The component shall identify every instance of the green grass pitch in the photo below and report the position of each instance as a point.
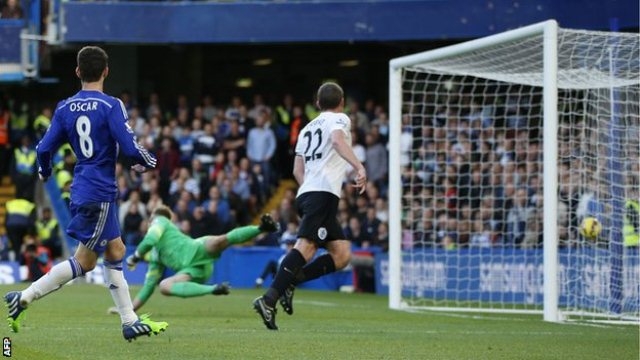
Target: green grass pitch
(72, 323)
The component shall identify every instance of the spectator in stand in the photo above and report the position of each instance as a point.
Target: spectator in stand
(12, 10)
(383, 237)
(48, 233)
(222, 127)
(186, 146)
(182, 210)
(133, 201)
(258, 106)
(282, 130)
(423, 228)
(24, 172)
(205, 223)
(232, 161)
(201, 176)
(362, 205)
(149, 186)
(259, 184)
(218, 167)
(287, 210)
(358, 150)
(370, 108)
(464, 224)
(221, 205)
(168, 165)
(154, 200)
(261, 146)
(153, 108)
(354, 233)
(472, 191)
(185, 181)
(517, 218)
(233, 110)
(5, 143)
(36, 258)
(132, 225)
(212, 212)
(359, 119)
(376, 164)
(382, 209)
(20, 222)
(245, 121)
(41, 123)
(197, 128)
(480, 234)
(208, 108)
(127, 101)
(198, 113)
(239, 182)
(372, 192)
(235, 140)
(370, 224)
(298, 121)
(206, 146)
(382, 123)
(136, 121)
(19, 123)
(238, 207)
(244, 186)
(182, 106)
(451, 238)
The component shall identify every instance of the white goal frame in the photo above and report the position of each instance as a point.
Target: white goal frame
(549, 30)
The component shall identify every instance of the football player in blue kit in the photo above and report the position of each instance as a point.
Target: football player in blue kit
(95, 125)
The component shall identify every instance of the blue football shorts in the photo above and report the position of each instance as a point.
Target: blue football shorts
(94, 224)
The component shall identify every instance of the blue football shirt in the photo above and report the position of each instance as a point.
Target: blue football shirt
(95, 125)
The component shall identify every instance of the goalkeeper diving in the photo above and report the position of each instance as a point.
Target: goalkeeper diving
(164, 245)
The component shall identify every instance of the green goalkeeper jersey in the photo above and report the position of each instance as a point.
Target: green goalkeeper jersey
(172, 248)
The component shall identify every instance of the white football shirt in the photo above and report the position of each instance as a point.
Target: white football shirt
(324, 168)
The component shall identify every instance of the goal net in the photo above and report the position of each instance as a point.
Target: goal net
(499, 148)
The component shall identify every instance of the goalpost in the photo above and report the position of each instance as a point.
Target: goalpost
(498, 148)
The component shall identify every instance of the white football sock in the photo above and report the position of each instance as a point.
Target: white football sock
(59, 275)
(119, 291)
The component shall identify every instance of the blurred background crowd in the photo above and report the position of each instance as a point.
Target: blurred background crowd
(471, 172)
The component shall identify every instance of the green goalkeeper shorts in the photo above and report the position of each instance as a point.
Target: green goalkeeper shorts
(201, 267)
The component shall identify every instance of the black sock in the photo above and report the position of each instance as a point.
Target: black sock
(290, 266)
(322, 265)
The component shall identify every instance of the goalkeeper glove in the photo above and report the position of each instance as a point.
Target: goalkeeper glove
(132, 261)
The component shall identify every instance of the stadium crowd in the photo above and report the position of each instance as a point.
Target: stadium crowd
(471, 175)
(218, 165)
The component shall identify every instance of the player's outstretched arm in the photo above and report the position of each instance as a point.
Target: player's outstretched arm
(151, 238)
(51, 141)
(298, 169)
(123, 134)
(151, 280)
(343, 148)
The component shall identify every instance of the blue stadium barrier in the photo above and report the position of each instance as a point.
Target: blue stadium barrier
(240, 266)
(513, 276)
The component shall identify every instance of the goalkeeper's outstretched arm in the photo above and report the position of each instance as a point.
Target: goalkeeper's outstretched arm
(150, 239)
(151, 280)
